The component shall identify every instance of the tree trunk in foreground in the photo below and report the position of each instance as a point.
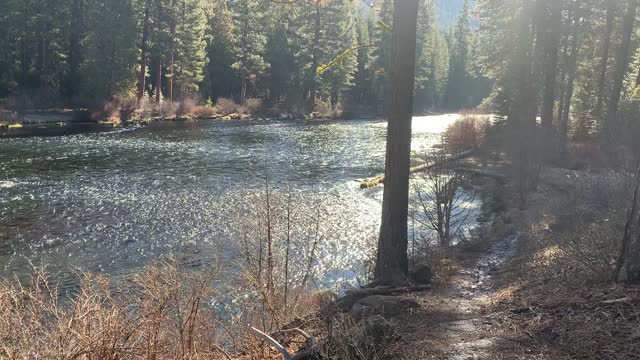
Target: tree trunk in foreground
(628, 265)
(552, 44)
(392, 263)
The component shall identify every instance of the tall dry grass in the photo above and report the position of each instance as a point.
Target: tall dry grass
(162, 313)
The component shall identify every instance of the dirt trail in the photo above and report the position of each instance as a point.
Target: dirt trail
(453, 324)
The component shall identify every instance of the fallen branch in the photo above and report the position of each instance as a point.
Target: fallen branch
(223, 351)
(423, 167)
(617, 301)
(282, 350)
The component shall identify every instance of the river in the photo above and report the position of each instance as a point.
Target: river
(111, 202)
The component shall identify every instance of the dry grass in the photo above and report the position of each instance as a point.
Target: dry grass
(557, 297)
(226, 106)
(164, 313)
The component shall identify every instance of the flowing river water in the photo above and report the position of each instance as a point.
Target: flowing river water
(112, 202)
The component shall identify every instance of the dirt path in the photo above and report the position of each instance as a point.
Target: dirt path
(453, 323)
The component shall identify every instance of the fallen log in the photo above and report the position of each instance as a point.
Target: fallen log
(380, 179)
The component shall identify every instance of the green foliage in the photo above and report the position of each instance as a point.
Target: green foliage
(109, 50)
(250, 40)
(84, 52)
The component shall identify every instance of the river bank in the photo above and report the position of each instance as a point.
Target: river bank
(539, 288)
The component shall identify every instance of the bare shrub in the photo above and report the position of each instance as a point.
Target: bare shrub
(590, 252)
(581, 243)
(226, 106)
(164, 313)
(128, 108)
(443, 202)
(466, 133)
(279, 257)
(186, 108)
(203, 112)
(253, 105)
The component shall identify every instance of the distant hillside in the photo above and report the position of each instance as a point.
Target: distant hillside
(447, 10)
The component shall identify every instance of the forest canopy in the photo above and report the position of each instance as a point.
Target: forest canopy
(82, 53)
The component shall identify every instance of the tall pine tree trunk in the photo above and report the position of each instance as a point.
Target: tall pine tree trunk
(604, 59)
(392, 263)
(628, 265)
(622, 62)
(551, 66)
(143, 53)
(171, 51)
(159, 80)
(311, 101)
(572, 65)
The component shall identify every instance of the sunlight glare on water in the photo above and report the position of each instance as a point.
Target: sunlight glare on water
(111, 202)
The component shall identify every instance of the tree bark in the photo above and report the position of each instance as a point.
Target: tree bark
(604, 59)
(159, 80)
(572, 65)
(622, 62)
(392, 262)
(551, 67)
(143, 53)
(172, 49)
(628, 265)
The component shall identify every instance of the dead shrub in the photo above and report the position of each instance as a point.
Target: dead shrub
(128, 108)
(253, 105)
(186, 108)
(226, 106)
(203, 112)
(590, 252)
(466, 133)
(163, 313)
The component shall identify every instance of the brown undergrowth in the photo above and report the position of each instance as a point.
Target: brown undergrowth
(557, 297)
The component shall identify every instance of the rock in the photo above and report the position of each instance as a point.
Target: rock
(346, 302)
(421, 275)
(382, 305)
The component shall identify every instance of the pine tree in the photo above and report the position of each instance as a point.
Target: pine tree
(250, 43)
(220, 80)
(189, 56)
(456, 96)
(109, 68)
(363, 76)
(381, 35)
(338, 24)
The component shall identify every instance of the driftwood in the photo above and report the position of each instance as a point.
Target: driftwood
(282, 350)
(380, 179)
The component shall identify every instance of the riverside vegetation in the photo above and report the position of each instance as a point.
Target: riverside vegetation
(549, 269)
